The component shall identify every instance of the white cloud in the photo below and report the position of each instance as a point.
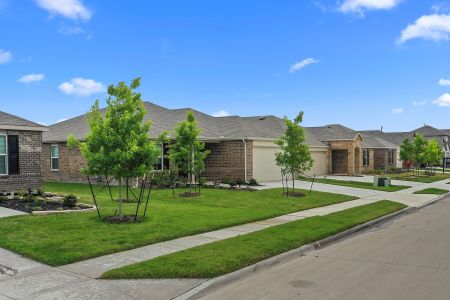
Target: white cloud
(31, 78)
(434, 27)
(5, 56)
(420, 103)
(441, 7)
(443, 100)
(221, 113)
(70, 30)
(72, 9)
(81, 87)
(360, 6)
(444, 82)
(301, 64)
(398, 110)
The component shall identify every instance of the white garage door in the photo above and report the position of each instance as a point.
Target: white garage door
(320, 166)
(265, 168)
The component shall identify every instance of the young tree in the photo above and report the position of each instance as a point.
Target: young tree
(188, 152)
(407, 152)
(118, 144)
(419, 148)
(432, 153)
(295, 156)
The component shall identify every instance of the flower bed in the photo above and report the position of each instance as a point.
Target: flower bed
(43, 203)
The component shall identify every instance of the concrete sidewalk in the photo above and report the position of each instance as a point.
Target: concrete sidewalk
(6, 212)
(97, 266)
(27, 279)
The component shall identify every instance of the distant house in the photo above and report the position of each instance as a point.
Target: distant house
(391, 139)
(20, 154)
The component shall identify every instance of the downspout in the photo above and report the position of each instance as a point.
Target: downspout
(245, 159)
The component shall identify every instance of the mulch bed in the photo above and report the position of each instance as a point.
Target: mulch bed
(296, 194)
(39, 205)
(120, 219)
(189, 194)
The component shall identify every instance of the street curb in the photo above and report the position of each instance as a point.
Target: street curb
(218, 282)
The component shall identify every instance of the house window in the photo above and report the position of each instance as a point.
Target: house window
(365, 157)
(159, 165)
(13, 154)
(55, 157)
(3, 155)
(391, 156)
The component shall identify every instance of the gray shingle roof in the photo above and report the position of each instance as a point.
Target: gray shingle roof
(429, 131)
(11, 120)
(213, 128)
(332, 132)
(373, 141)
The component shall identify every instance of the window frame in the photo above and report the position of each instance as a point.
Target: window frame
(6, 154)
(53, 157)
(366, 159)
(390, 156)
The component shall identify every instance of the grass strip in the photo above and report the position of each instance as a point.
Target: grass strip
(432, 191)
(231, 254)
(358, 184)
(67, 238)
(420, 178)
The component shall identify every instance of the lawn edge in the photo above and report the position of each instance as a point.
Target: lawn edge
(213, 284)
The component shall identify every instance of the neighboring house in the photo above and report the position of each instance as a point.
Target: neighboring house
(379, 154)
(20, 154)
(241, 147)
(397, 138)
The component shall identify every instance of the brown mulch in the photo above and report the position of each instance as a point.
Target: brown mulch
(119, 219)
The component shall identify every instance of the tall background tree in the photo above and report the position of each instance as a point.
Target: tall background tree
(432, 154)
(118, 143)
(188, 152)
(407, 152)
(419, 149)
(294, 157)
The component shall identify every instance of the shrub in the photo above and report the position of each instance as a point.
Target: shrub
(253, 182)
(3, 198)
(70, 200)
(240, 182)
(202, 181)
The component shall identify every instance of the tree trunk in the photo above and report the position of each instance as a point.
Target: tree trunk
(293, 184)
(120, 196)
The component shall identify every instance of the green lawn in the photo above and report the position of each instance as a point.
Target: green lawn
(62, 239)
(432, 191)
(420, 178)
(358, 184)
(228, 255)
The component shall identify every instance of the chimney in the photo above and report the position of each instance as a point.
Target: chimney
(381, 128)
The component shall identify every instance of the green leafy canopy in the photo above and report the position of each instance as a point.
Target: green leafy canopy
(118, 143)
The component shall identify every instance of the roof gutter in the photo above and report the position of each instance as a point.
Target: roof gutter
(23, 128)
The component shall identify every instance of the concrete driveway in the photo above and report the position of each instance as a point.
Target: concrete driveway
(408, 258)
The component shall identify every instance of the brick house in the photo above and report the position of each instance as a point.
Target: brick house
(241, 147)
(20, 154)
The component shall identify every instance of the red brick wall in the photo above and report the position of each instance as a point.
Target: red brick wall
(30, 163)
(226, 160)
(70, 164)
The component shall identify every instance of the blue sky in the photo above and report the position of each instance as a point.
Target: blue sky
(361, 63)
